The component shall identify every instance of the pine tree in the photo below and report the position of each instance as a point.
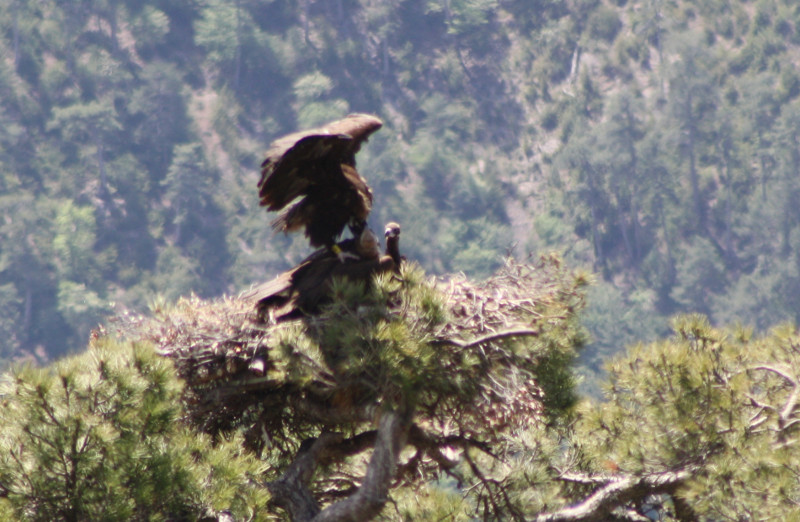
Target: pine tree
(99, 436)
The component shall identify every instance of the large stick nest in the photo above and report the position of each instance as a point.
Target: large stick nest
(469, 351)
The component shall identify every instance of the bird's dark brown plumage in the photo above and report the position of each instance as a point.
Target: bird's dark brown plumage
(303, 289)
(310, 177)
(392, 235)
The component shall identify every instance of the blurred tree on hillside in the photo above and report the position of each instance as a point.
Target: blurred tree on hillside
(638, 128)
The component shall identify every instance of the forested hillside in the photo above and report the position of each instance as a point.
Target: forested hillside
(653, 141)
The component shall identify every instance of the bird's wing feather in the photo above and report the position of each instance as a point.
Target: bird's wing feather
(270, 289)
(296, 161)
(310, 177)
(288, 172)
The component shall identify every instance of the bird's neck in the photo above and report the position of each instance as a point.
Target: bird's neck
(393, 249)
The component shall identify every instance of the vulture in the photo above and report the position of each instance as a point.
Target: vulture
(392, 235)
(303, 289)
(310, 178)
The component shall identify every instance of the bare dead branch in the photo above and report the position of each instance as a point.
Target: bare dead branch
(586, 478)
(784, 416)
(788, 408)
(618, 490)
(783, 373)
(520, 332)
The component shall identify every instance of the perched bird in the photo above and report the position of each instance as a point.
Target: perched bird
(392, 235)
(310, 177)
(303, 289)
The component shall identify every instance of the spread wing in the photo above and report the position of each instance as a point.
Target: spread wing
(310, 177)
(303, 289)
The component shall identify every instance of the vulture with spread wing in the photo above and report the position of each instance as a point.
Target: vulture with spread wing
(311, 178)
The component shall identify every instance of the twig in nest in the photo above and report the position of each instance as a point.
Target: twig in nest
(521, 332)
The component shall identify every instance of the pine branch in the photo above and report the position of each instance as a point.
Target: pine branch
(784, 417)
(617, 491)
(520, 332)
(291, 491)
(370, 498)
(431, 443)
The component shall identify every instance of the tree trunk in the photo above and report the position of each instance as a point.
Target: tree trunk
(728, 233)
(238, 56)
(101, 164)
(370, 498)
(600, 259)
(694, 177)
(15, 10)
(291, 491)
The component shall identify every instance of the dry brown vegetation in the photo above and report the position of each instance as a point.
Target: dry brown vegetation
(457, 364)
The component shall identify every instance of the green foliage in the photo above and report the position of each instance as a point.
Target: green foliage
(193, 221)
(315, 107)
(99, 437)
(159, 94)
(652, 141)
(82, 308)
(699, 273)
(176, 274)
(689, 414)
(710, 401)
(604, 24)
(11, 310)
(478, 365)
(467, 16)
(359, 338)
(435, 502)
(83, 121)
(149, 28)
(75, 230)
(615, 321)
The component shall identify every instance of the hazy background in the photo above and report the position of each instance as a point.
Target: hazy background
(653, 142)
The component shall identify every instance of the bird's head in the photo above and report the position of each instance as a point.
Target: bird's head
(392, 231)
